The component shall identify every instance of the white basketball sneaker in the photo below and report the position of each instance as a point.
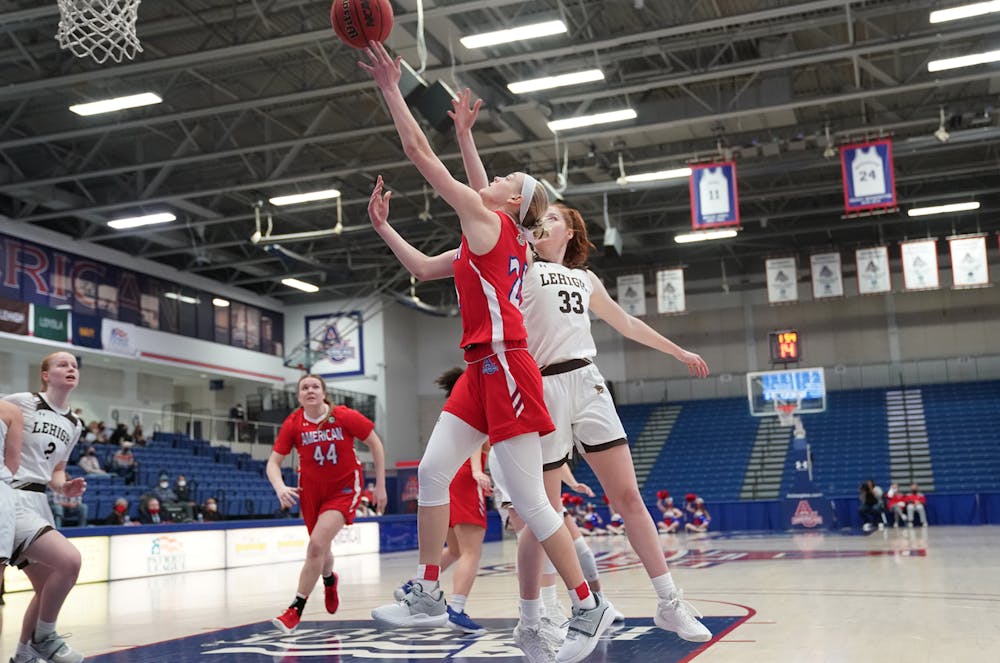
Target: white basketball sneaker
(534, 643)
(585, 629)
(678, 616)
(416, 608)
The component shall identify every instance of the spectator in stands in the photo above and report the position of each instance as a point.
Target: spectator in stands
(915, 505)
(124, 464)
(150, 514)
(700, 518)
(89, 462)
(593, 524)
(210, 511)
(119, 513)
(895, 503)
(364, 509)
(184, 498)
(673, 517)
(138, 436)
(120, 434)
(165, 496)
(95, 433)
(871, 510)
(64, 507)
(237, 422)
(616, 525)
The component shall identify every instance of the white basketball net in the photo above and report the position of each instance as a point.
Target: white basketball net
(101, 29)
(786, 413)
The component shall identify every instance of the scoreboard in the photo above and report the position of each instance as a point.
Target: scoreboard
(785, 347)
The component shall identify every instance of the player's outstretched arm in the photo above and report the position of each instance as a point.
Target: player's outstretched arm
(418, 263)
(635, 329)
(465, 116)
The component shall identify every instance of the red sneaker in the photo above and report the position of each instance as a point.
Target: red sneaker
(330, 595)
(287, 621)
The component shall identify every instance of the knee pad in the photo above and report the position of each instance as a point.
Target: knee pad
(433, 486)
(541, 518)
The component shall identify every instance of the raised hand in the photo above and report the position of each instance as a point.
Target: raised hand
(378, 206)
(463, 114)
(383, 68)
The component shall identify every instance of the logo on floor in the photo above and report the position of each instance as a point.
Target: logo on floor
(360, 642)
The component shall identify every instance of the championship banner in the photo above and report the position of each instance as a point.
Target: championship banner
(873, 270)
(920, 265)
(782, 281)
(969, 266)
(336, 343)
(119, 337)
(50, 323)
(13, 316)
(869, 176)
(827, 276)
(632, 294)
(714, 198)
(670, 291)
(87, 331)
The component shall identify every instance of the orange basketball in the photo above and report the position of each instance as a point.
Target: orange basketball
(358, 22)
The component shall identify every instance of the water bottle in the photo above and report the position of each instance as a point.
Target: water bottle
(201, 518)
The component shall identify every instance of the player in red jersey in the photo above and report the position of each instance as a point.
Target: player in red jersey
(330, 483)
(500, 393)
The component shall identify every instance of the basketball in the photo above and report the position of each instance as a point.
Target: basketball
(358, 22)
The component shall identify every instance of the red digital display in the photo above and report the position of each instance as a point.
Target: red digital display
(785, 347)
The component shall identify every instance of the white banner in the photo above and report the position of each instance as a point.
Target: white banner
(94, 566)
(920, 265)
(827, 276)
(782, 280)
(271, 545)
(340, 338)
(139, 555)
(632, 293)
(969, 267)
(873, 270)
(119, 337)
(670, 291)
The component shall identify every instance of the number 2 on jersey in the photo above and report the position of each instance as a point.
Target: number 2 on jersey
(330, 455)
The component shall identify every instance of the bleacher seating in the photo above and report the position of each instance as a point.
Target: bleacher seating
(964, 440)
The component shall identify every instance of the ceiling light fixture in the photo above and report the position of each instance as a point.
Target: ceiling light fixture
(220, 302)
(549, 82)
(705, 235)
(300, 285)
(674, 174)
(963, 61)
(830, 151)
(943, 209)
(964, 11)
(308, 197)
(522, 33)
(942, 134)
(136, 221)
(117, 104)
(181, 298)
(591, 120)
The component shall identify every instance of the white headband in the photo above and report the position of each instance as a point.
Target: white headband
(527, 193)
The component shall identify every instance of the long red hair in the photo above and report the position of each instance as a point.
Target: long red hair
(579, 246)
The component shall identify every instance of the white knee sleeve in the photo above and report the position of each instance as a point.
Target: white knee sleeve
(452, 442)
(520, 459)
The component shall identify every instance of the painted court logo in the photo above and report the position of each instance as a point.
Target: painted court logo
(806, 516)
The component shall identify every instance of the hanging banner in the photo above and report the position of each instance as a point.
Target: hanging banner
(873, 270)
(119, 337)
(714, 198)
(869, 177)
(50, 323)
(920, 265)
(670, 291)
(782, 281)
(336, 344)
(632, 294)
(969, 267)
(827, 276)
(13, 316)
(87, 330)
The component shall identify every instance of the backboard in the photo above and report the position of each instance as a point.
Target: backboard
(804, 386)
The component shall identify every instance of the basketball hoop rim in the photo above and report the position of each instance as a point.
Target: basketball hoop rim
(786, 413)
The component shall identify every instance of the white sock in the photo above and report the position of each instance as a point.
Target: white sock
(549, 597)
(43, 629)
(457, 602)
(531, 612)
(664, 586)
(22, 650)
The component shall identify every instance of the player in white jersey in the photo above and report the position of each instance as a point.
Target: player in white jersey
(50, 561)
(10, 457)
(558, 294)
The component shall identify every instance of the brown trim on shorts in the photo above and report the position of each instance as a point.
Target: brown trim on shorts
(564, 366)
(555, 465)
(17, 557)
(31, 487)
(593, 448)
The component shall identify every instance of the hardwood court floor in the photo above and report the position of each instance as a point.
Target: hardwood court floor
(908, 595)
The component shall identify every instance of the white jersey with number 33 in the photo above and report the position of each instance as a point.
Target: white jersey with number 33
(49, 437)
(556, 311)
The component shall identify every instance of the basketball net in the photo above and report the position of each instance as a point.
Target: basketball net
(101, 29)
(786, 413)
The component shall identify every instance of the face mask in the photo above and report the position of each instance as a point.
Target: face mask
(155, 510)
(164, 484)
(120, 508)
(182, 483)
(90, 453)
(210, 507)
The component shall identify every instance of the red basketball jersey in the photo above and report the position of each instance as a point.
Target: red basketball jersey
(489, 288)
(326, 447)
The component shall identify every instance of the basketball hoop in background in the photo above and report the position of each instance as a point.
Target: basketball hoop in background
(101, 29)
(786, 413)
